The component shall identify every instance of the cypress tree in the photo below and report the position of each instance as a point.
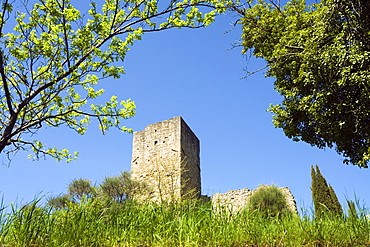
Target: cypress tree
(324, 198)
(315, 192)
(336, 208)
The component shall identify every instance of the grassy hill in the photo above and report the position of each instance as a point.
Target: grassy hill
(191, 223)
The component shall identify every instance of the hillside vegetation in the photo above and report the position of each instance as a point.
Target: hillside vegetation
(190, 223)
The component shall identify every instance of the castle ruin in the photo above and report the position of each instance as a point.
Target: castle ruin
(166, 156)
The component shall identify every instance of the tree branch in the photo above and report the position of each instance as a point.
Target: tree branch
(5, 84)
(3, 17)
(293, 47)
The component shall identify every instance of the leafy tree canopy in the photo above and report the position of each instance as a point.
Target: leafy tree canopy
(81, 187)
(52, 57)
(122, 187)
(319, 56)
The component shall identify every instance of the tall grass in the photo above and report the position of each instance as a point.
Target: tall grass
(190, 223)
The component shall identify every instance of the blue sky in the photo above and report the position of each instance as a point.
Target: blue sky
(193, 74)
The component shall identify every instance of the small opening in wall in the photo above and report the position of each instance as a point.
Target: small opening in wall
(155, 130)
(163, 141)
(155, 142)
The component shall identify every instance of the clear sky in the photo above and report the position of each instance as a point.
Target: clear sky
(193, 74)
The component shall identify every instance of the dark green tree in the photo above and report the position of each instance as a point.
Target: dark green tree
(319, 56)
(324, 198)
(337, 207)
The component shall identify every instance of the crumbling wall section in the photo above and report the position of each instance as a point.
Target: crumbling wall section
(290, 200)
(231, 201)
(236, 200)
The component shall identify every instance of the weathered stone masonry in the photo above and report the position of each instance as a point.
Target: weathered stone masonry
(166, 156)
(235, 200)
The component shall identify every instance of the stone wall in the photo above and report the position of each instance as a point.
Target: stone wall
(236, 200)
(166, 156)
(290, 200)
(232, 201)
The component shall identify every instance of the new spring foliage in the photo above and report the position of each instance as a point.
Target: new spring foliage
(54, 55)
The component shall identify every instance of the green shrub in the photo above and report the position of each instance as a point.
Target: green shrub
(269, 201)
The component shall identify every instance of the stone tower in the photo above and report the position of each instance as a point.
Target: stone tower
(166, 156)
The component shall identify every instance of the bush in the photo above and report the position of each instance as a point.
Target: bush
(269, 201)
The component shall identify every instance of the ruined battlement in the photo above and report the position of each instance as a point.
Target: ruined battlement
(236, 200)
